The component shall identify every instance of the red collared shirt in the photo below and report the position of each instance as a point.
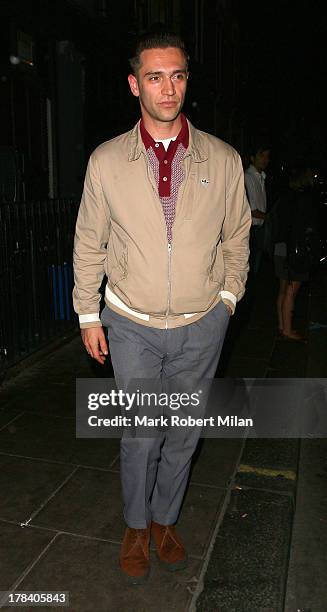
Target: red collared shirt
(164, 157)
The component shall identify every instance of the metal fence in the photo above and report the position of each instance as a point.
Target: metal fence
(36, 278)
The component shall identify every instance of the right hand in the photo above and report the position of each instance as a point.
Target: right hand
(95, 343)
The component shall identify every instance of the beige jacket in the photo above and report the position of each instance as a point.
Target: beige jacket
(121, 232)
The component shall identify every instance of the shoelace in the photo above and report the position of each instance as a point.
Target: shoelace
(137, 537)
(169, 531)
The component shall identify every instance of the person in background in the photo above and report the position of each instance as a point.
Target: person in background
(255, 177)
(295, 217)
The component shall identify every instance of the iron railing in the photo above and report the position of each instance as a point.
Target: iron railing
(36, 278)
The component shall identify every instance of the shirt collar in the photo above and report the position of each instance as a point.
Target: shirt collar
(197, 148)
(253, 170)
(182, 137)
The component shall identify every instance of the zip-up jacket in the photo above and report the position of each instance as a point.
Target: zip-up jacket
(121, 233)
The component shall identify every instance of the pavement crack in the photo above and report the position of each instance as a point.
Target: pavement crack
(47, 499)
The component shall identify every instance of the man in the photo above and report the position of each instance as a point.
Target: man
(256, 192)
(164, 216)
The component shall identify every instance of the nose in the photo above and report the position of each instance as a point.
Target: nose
(168, 87)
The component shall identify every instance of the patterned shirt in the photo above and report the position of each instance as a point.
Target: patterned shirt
(167, 169)
(256, 192)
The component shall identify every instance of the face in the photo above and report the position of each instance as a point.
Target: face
(160, 83)
(261, 160)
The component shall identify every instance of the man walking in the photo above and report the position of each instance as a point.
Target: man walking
(164, 216)
(255, 178)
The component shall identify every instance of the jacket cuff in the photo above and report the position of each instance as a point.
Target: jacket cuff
(89, 320)
(229, 299)
(230, 304)
(90, 324)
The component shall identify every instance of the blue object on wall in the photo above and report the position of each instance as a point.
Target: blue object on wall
(62, 285)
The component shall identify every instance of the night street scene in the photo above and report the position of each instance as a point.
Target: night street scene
(163, 319)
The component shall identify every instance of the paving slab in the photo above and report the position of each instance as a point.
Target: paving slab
(25, 484)
(198, 517)
(317, 353)
(59, 367)
(246, 368)
(255, 343)
(278, 483)
(284, 372)
(289, 355)
(213, 460)
(89, 570)
(19, 547)
(89, 504)
(307, 585)
(249, 559)
(8, 414)
(269, 464)
(54, 438)
(271, 453)
(55, 400)
(95, 510)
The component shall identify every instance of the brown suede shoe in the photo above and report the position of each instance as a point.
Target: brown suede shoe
(134, 555)
(170, 550)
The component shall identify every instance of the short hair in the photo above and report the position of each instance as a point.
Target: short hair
(156, 40)
(259, 146)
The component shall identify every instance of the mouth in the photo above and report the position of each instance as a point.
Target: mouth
(169, 104)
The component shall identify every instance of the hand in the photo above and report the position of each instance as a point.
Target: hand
(258, 214)
(95, 343)
(229, 309)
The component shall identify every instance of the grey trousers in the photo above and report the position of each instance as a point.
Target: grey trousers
(154, 470)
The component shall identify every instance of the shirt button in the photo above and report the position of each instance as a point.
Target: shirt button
(165, 161)
(164, 178)
(157, 144)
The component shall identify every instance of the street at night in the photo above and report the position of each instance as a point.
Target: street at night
(152, 247)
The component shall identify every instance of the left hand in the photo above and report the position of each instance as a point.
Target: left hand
(230, 312)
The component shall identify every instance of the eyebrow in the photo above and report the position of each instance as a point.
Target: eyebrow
(158, 72)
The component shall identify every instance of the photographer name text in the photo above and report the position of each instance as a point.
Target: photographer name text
(169, 421)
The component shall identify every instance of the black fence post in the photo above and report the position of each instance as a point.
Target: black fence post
(36, 248)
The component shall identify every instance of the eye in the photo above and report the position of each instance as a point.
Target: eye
(179, 76)
(154, 78)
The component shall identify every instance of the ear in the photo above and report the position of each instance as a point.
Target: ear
(133, 84)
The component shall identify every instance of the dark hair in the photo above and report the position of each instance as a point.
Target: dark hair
(258, 146)
(155, 40)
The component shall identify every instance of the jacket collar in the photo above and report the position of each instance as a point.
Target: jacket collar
(196, 147)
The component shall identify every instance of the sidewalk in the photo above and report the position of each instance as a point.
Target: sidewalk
(258, 562)
(306, 585)
(60, 510)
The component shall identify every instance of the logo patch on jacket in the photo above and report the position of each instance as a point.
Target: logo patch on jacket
(205, 182)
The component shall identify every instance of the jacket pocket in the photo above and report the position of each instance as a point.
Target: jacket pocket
(217, 269)
(117, 261)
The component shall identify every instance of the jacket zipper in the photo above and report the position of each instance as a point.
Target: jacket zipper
(155, 191)
(169, 283)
